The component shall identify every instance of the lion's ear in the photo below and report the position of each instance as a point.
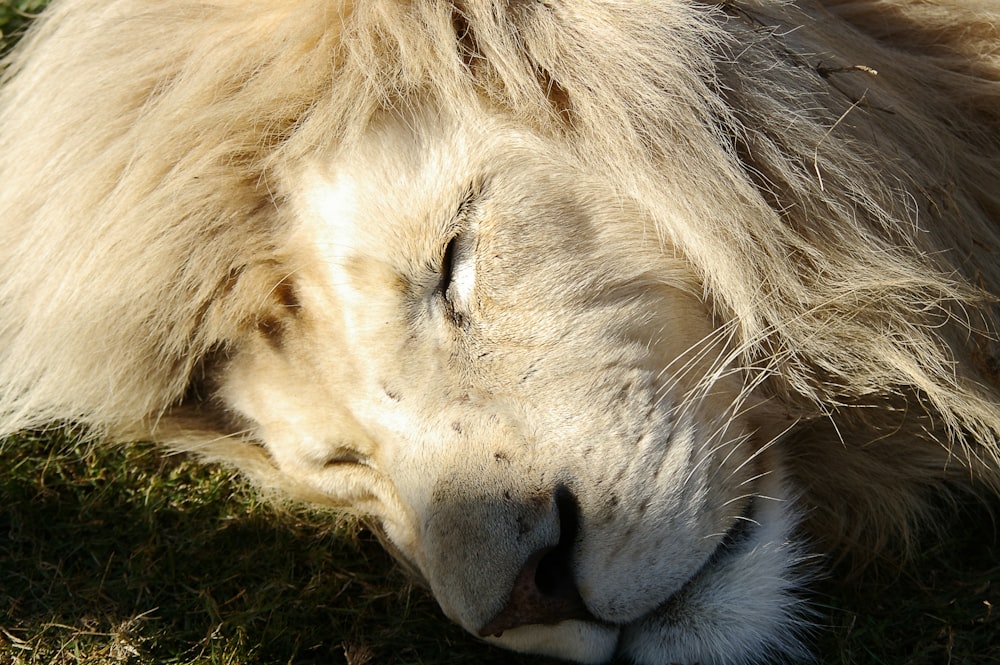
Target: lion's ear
(259, 299)
(255, 302)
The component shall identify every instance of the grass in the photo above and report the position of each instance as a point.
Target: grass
(121, 555)
(943, 608)
(14, 17)
(124, 555)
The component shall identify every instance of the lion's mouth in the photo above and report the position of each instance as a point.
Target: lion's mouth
(567, 604)
(746, 590)
(731, 545)
(738, 533)
(744, 594)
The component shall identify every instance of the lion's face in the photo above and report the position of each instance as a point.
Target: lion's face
(548, 432)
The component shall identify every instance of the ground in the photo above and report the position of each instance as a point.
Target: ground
(122, 555)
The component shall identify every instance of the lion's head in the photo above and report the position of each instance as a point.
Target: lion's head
(607, 315)
(548, 429)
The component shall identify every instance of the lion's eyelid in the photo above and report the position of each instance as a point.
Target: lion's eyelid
(343, 456)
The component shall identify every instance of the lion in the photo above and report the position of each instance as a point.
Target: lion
(611, 318)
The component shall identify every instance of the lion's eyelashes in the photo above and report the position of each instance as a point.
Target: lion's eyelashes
(473, 196)
(449, 288)
(457, 272)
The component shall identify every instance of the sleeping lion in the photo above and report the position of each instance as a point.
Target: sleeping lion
(610, 316)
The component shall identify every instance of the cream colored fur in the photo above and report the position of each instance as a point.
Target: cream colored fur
(446, 264)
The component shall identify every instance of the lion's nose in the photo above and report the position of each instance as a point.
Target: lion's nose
(545, 591)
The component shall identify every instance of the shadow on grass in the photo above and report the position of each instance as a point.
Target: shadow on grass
(942, 608)
(123, 555)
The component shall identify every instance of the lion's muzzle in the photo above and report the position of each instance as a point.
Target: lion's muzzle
(545, 591)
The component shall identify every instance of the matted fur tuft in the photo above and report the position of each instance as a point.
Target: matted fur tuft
(840, 158)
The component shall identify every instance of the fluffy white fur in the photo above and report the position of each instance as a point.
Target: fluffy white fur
(576, 285)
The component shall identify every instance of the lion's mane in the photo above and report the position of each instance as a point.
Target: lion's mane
(841, 163)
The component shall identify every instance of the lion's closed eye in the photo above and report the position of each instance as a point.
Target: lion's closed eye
(342, 456)
(458, 275)
(448, 268)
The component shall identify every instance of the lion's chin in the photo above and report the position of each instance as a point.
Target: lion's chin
(580, 641)
(743, 606)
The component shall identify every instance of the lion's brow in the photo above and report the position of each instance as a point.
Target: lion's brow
(472, 198)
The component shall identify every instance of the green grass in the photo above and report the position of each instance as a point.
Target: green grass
(942, 608)
(14, 17)
(127, 555)
(123, 555)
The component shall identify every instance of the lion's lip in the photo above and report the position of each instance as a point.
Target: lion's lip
(739, 532)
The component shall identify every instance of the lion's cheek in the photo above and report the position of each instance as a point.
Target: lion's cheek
(661, 528)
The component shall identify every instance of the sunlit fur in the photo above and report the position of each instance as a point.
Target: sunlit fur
(811, 188)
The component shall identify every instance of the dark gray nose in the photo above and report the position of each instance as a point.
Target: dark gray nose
(545, 592)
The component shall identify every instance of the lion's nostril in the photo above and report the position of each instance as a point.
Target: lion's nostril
(554, 574)
(545, 592)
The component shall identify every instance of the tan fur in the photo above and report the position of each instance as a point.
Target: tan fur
(827, 172)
